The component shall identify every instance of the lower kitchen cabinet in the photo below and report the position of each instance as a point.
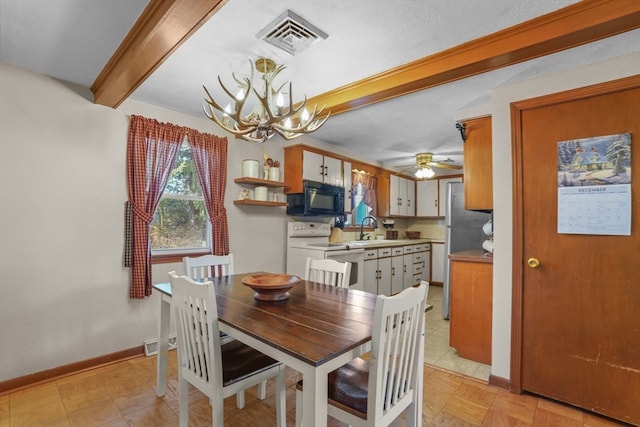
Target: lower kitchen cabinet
(377, 271)
(437, 262)
(397, 269)
(471, 283)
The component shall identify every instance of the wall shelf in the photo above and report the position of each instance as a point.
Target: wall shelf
(258, 202)
(257, 181)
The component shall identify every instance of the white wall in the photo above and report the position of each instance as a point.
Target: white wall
(623, 66)
(63, 290)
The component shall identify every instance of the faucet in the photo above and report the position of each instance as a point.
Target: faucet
(373, 223)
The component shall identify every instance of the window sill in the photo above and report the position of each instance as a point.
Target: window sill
(173, 258)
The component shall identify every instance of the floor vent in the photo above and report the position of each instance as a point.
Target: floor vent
(151, 346)
(291, 33)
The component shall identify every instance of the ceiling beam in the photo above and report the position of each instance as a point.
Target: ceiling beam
(165, 24)
(583, 22)
(161, 28)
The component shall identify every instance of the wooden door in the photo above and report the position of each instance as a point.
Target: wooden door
(580, 318)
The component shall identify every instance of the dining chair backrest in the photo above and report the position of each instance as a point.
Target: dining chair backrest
(198, 333)
(426, 297)
(217, 370)
(375, 391)
(205, 266)
(397, 347)
(328, 271)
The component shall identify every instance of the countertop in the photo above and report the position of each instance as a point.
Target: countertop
(390, 243)
(475, 255)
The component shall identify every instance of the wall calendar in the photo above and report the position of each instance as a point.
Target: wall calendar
(594, 185)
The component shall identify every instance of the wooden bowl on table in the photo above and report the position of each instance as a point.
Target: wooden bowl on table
(271, 286)
(413, 234)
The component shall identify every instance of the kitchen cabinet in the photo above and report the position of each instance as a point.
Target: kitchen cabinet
(431, 195)
(421, 261)
(397, 269)
(437, 262)
(301, 162)
(317, 167)
(478, 169)
(407, 281)
(377, 271)
(346, 179)
(254, 182)
(401, 196)
(427, 197)
(471, 282)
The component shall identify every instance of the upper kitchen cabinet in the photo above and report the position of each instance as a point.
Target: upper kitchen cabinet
(478, 170)
(402, 196)
(396, 196)
(302, 163)
(431, 196)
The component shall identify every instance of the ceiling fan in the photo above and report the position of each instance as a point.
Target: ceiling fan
(425, 164)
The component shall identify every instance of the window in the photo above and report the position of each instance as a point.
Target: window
(363, 198)
(360, 209)
(181, 223)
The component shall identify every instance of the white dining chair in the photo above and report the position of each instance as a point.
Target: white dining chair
(217, 370)
(376, 391)
(206, 266)
(328, 271)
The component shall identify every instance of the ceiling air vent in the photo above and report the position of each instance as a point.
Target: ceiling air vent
(291, 33)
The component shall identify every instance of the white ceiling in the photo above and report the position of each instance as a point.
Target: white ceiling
(72, 40)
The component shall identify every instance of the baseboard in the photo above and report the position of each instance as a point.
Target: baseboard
(16, 384)
(500, 382)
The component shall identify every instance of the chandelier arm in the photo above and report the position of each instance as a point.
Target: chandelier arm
(235, 131)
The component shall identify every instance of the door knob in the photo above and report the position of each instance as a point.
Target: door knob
(533, 262)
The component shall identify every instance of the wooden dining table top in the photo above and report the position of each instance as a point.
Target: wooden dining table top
(315, 324)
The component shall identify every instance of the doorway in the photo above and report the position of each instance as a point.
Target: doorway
(576, 328)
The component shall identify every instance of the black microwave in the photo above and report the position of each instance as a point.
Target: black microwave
(316, 199)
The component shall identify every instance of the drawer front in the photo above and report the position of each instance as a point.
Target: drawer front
(418, 257)
(371, 254)
(417, 269)
(397, 250)
(418, 248)
(408, 249)
(384, 252)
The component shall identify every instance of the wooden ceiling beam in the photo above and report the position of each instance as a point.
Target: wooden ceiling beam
(161, 28)
(583, 22)
(166, 24)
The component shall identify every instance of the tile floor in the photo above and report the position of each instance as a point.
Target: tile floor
(437, 351)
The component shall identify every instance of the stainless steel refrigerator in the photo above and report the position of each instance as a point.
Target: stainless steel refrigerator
(463, 232)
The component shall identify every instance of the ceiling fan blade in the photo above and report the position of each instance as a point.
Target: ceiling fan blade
(407, 168)
(445, 165)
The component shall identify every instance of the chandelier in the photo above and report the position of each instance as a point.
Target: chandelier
(269, 115)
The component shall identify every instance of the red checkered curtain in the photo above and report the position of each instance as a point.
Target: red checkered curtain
(210, 157)
(152, 148)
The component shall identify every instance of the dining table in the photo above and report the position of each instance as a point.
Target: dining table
(317, 329)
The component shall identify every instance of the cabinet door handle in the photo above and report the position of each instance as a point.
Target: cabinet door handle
(326, 171)
(435, 203)
(321, 170)
(393, 271)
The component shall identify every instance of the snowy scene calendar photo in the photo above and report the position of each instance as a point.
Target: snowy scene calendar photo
(594, 185)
